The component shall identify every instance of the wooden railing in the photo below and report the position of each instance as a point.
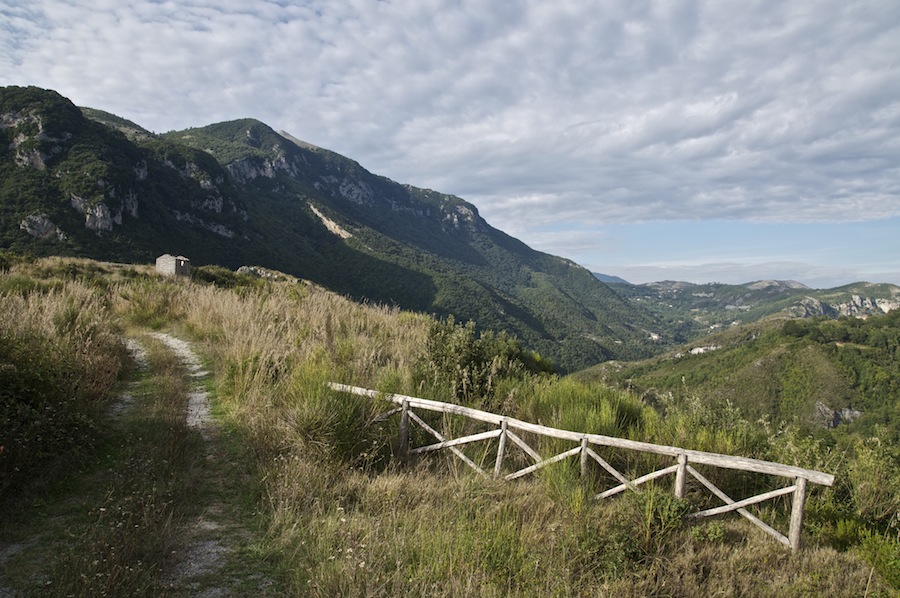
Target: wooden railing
(506, 432)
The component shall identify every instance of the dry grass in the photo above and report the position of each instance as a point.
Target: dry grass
(343, 529)
(60, 359)
(344, 519)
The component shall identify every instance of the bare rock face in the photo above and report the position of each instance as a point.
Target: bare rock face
(97, 216)
(859, 306)
(810, 307)
(40, 226)
(32, 144)
(250, 168)
(832, 418)
(265, 273)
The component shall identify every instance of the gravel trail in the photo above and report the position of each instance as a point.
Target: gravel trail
(198, 411)
(210, 539)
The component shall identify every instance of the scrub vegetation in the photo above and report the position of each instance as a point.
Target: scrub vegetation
(334, 509)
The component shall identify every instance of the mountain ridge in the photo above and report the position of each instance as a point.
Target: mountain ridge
(92, 184)
(698, 309)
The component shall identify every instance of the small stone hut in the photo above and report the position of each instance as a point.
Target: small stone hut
(173, 265)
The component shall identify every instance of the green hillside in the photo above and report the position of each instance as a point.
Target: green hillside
(88, 183)
(441, 256)
(782, 369)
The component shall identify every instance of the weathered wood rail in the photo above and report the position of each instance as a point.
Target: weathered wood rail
(506, 432)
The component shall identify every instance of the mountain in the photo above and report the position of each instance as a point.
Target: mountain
(694, 310)
(88, 183)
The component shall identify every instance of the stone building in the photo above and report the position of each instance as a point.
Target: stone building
(173, 265)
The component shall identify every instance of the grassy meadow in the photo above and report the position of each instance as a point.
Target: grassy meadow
(336, 511)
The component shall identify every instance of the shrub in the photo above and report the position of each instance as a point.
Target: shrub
(711, 532)
(883, 553)
(336, 424)
(467, 365)
(223, 277)
(659, 514)
(874, 477)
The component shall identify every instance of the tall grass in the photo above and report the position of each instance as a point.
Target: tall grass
(60, 358)
(348, 520)
(345, 518)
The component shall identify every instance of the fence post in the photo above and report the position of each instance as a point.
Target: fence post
(797, 513)
(584, 460)
(680, 475)
(501, 450)
(404, 432)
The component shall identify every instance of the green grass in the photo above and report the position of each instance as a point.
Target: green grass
(109, 526)
(331, 512)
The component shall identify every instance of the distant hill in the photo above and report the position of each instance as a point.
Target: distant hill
(88, 183)
(823, 371)
(694, 310)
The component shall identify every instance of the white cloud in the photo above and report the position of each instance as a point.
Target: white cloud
(592, 112)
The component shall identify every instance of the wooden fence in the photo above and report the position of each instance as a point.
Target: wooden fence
(506, 433)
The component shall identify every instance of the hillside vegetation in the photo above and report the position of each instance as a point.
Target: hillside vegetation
(784, 370)
(83, 182)
(339, 515)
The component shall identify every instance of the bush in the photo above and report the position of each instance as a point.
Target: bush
(874, 477)
(712, 532)
(658, 514)
(467, 365)
(883, 553)
(223, 277)
(336, 424)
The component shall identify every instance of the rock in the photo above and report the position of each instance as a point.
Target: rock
(97, 217)
(40, 226)
(259, 272)
(829, 418)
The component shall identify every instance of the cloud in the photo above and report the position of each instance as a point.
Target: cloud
(592, 112)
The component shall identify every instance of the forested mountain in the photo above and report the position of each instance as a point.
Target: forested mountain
(88, 183)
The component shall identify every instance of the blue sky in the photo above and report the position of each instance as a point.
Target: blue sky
(677, 139)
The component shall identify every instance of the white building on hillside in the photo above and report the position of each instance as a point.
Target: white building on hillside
(173, 265)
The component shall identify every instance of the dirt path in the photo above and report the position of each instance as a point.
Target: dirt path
(214, 551)
(209, 564)
(198, 413)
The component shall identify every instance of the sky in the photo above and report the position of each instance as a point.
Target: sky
(706, 141)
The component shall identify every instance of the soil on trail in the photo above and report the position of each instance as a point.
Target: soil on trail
(208, 564)
(214, 552)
